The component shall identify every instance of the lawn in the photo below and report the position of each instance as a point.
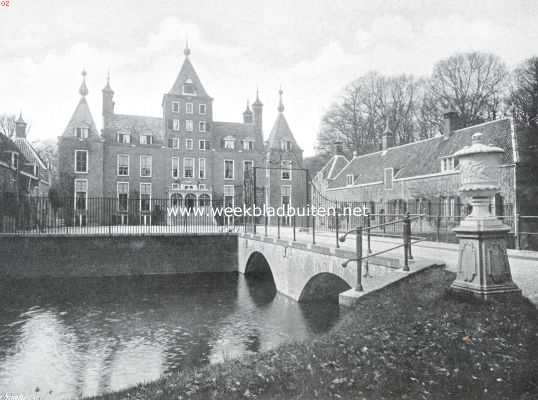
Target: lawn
(413, 340)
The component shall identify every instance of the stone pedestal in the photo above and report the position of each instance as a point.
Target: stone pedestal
(483, 267)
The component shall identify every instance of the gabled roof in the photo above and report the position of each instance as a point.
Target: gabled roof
(82, 117)
(281, 131)
(423, 157)
(188, 72)
(32, 156)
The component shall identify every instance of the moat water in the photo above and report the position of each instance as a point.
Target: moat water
(68, 338)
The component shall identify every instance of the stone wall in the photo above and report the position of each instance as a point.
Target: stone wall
(87, 256)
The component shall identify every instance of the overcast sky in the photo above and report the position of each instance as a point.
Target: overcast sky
(313, 48)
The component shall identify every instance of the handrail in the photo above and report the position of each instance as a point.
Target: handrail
(369, 228)
(380, 252)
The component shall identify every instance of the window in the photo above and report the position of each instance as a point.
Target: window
(189, 126)
(81, 194)
(201, 168)
(176, 125)
(145, 166)
(286, 170)
(146, 139)
(388, 175)
(82, 133)
(449, 164)
(228, 169)
(248, 166)
(248, 145)
(189, 108)
(81, 161)
(188, 87)
(175, 106)
(204, 200)
(285, 145)
(123, 164)
(229, 194)
(202, 109)
(124, 137)
(188, 167)
(145, 197)
(175, 167)
(203, 145)
(123, 196)
(188, 144)
(349, 179)
(202, 126)
(173, 142)
(15, 160)
(202, 186)
(229, 143)
(285, 195)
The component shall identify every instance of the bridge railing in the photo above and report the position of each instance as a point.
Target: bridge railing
(407, 241)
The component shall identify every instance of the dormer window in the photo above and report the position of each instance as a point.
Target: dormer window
(285, 145)
(82, 133)
(124, 137)
(146, 139)
(449, 164)
(387, 178)
(15, 160)
(229, 143)
(248, 145)
(188, 87)
(349, 179)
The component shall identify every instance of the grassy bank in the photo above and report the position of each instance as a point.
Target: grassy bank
(411, 341)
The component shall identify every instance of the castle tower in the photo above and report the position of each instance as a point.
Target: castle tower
(108, 103)
(247, 115)
(257, 108)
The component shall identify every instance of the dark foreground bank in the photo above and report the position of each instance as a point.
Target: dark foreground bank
(410, 341)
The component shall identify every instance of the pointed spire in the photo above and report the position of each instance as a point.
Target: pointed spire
(107, 87)
(187, 50)
(280, 104)
(20, 120)
(248, 106)
(257, 102)
(83, 88)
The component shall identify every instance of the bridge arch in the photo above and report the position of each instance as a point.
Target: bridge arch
(324, 285)
(258, 267)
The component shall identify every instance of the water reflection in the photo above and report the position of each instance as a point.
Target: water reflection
(73, 337)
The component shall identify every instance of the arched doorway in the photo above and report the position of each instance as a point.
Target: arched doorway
(190, 201)
(204, 200)
(176, 200)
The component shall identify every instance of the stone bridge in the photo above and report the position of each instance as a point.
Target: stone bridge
(303, 271)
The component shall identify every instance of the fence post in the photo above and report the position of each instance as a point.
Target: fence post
(406, 239)
(265, 223)
(294, 227)
(313, 229)
(516, 231)
(278, 227)
(337, 223)
(358, 250)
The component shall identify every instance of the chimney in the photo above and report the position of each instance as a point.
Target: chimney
(387, 140)
(20, 127)
(450, 121)
(338, 148)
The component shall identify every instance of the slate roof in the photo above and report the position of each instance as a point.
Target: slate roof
(187, 71)
(333, 167)
(32, 156)
(238, 130)
(82, 117)
(281, 131)
(137, 124)
(6, 147)
(423, 157)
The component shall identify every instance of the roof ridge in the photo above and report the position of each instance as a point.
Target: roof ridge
(483, 124)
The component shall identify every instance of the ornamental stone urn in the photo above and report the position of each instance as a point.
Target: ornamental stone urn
(483, 267)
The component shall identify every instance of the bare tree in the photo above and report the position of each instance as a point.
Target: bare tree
(7, 124)
(472, 84)
(524, 93)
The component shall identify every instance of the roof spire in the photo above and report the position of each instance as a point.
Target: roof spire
(187, 50)
(248, 105)
(107, 87)
(280, 104)
(257, 102)
(83, 88)
(20, 120)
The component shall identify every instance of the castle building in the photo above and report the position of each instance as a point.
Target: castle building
(185, 157)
